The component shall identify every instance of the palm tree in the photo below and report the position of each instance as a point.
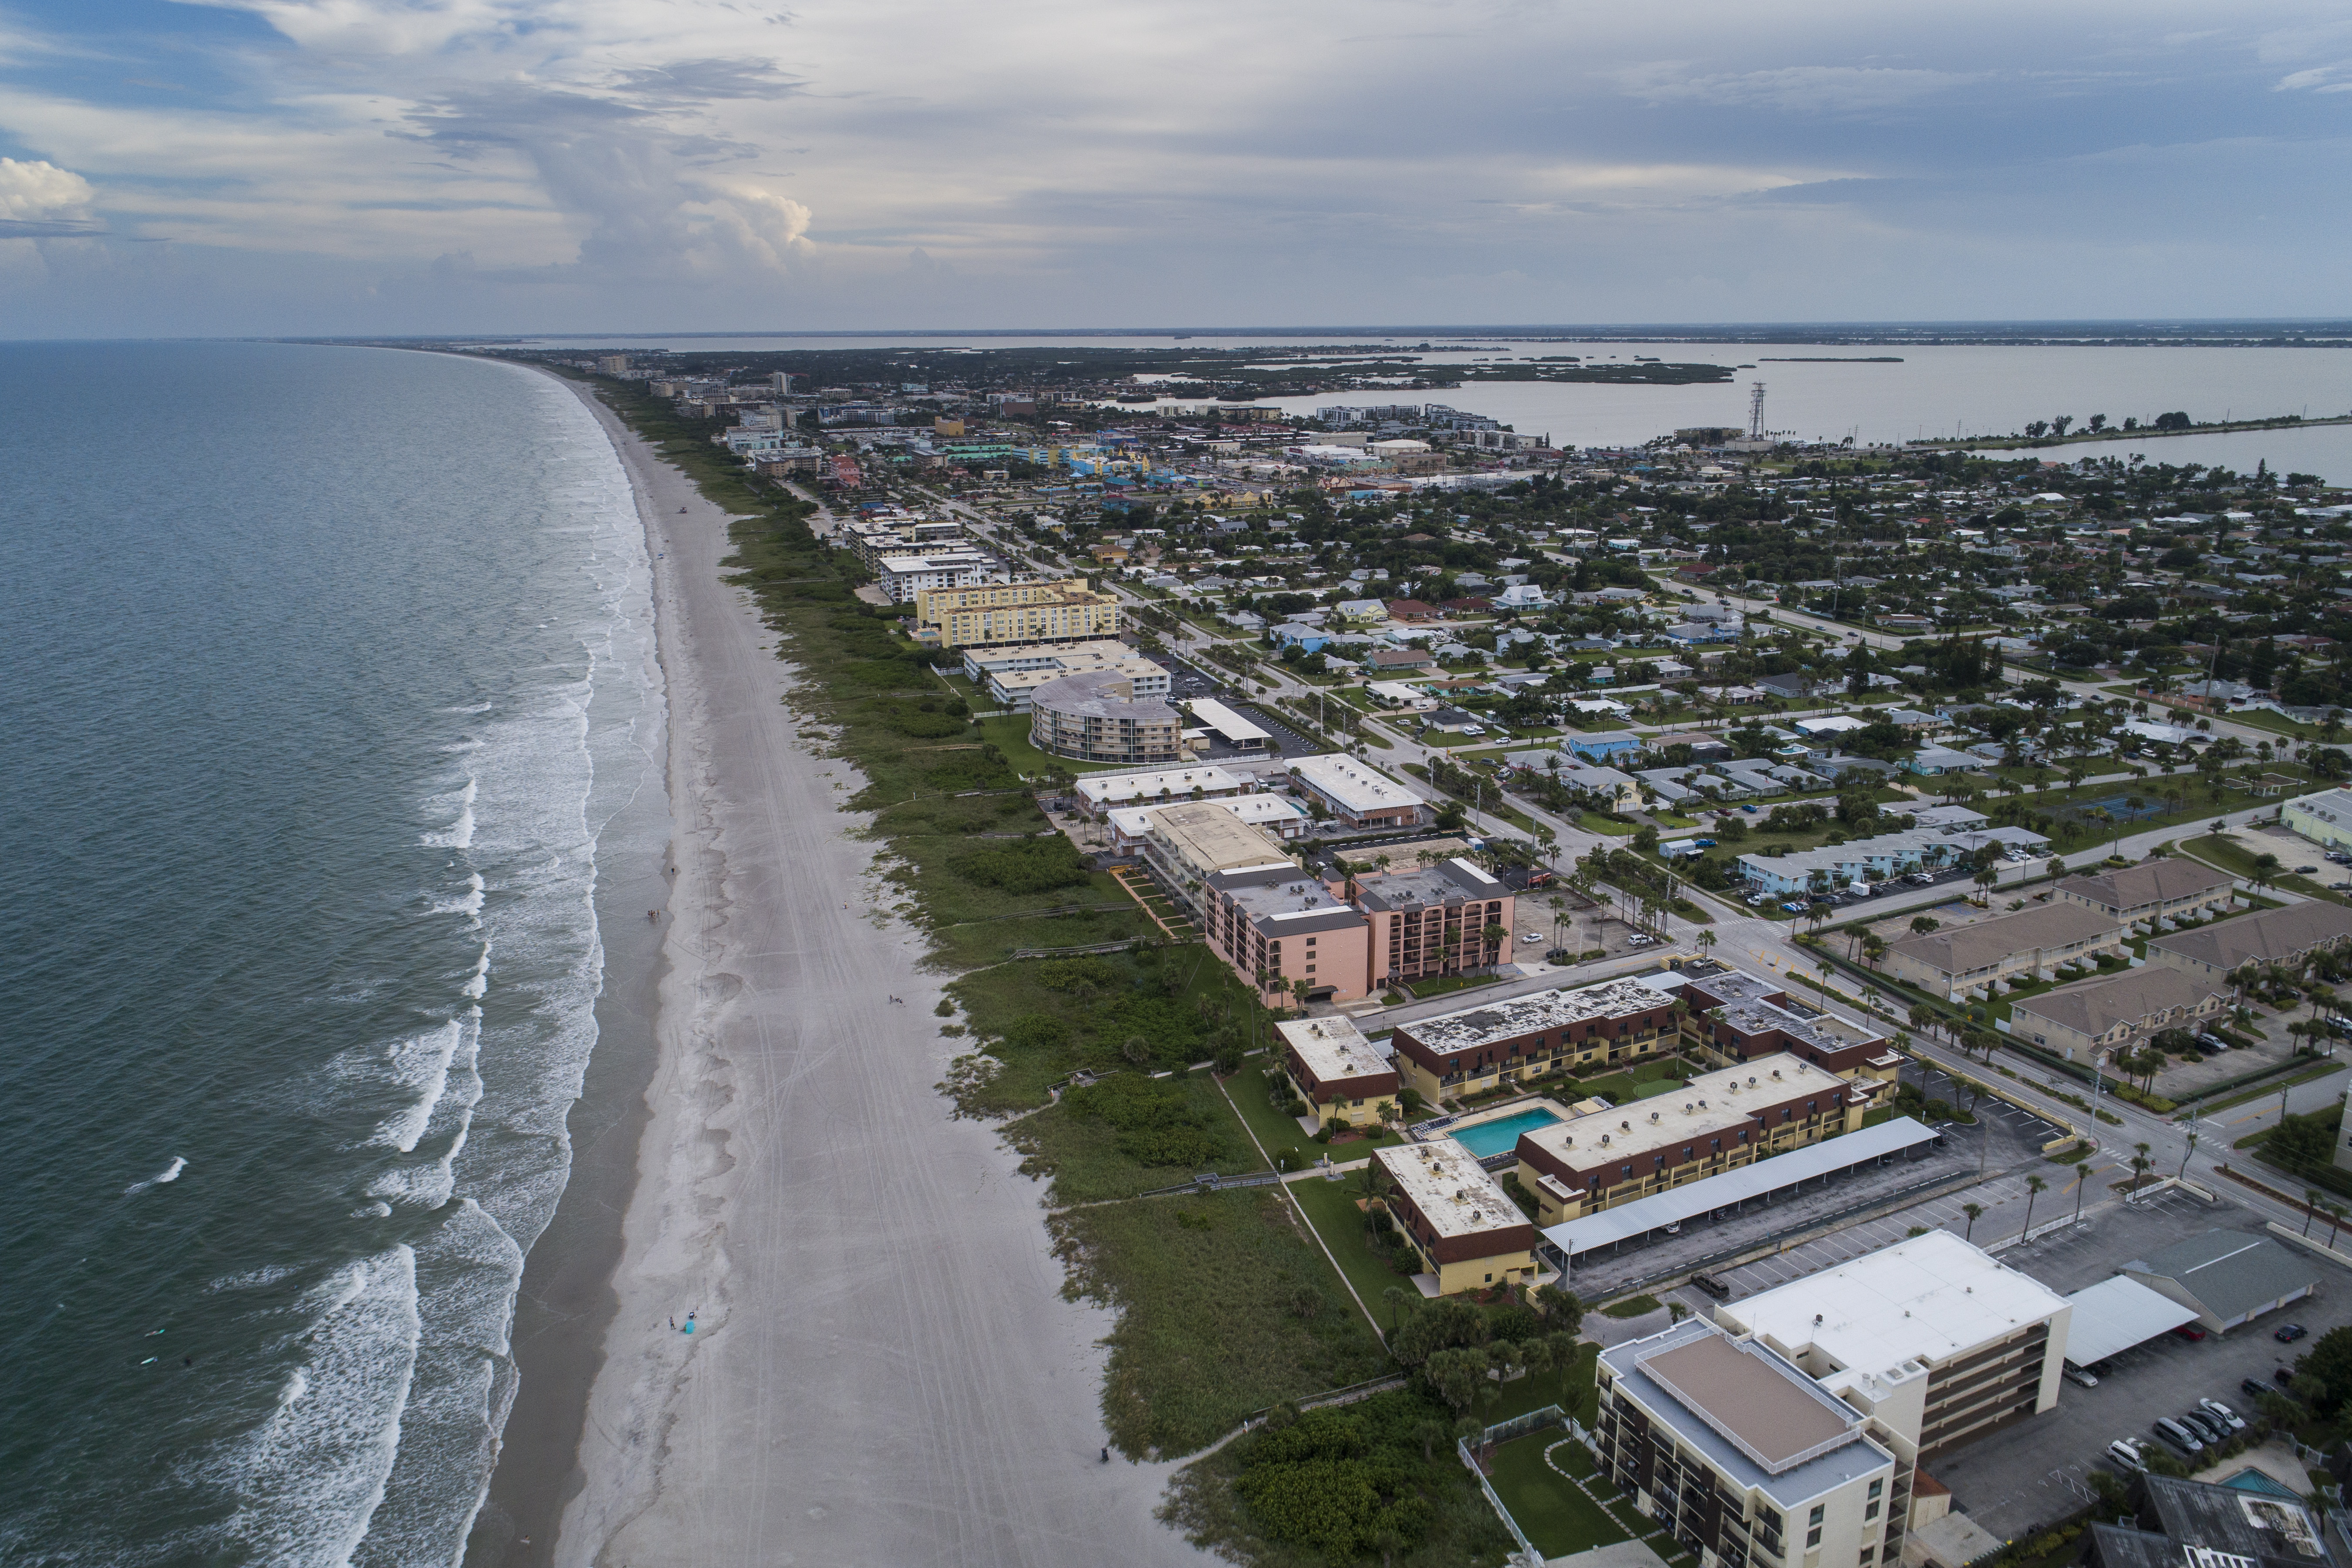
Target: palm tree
(2082, 1180)
(2140, 1164)
(2312, 1197)
(1973, 1211)
(2034, 1186)
(1703, 941)
(2336, 1213)
(2182, 1174)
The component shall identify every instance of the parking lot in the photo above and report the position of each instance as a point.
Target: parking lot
(2029, 1474)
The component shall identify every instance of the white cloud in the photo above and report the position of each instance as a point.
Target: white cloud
(1838, 89)
(39, 200)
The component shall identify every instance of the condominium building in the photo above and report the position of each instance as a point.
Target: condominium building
(1744, 1458)
(1278, 928)
(1873, 859)
(1466, 1229)
(1522, 1039)
(2284, 937)
(1013, 674)
(1058, 611)
(1932, 1337)
(1266, 817)
(1185, 845)
(1715, 1122)
(1734, 1017)
(2117, 1012)
(1446, 918)
(1360, 797)
(2028, 945)
(2325, 818)
(1095, 716)
(1341, 1074)
(871, 539)
(902, 576)
(2154, 891)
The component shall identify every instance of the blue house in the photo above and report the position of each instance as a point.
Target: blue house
(1600, 747)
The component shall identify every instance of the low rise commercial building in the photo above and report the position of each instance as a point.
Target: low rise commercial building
(1095, 716)
(1745, 1459)
(2028, 945)
(1359, 796)
(1873, 859)
(1271, 820)
(1734, 1017)
(2180, 1523)
(1715, 1122)
(1523, 1040)
(2154, 891)
(1062, 610)
(2092, 1018)
(1933, 1338)
(2325, 818)
(1096, 793)
(1467, 1231)
(2286, 937)
(1342, 1075)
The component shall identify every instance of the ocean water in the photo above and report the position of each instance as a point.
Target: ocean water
(329, 676)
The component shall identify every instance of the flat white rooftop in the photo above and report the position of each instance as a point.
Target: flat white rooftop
(1254, 810)
(1445, 1182)
(1236, 730)
(1928, 1298)
(1354, 787)
(1175, 783)
(1333, 1047)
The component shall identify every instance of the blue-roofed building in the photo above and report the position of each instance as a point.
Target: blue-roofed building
(1602, 746)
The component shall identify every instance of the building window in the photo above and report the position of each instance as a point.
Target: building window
(1871, 1511)
(1812, 1538)
(1876, 1487)
(1820, 1510)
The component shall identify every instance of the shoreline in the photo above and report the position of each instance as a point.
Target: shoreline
(887, 1369)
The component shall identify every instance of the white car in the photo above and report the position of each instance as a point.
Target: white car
(1531, 936)
(2126, 1452)
(2223, 1414)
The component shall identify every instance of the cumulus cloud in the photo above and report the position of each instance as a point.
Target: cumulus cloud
(41, 201)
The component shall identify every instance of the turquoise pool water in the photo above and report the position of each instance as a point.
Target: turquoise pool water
(1494, 1137)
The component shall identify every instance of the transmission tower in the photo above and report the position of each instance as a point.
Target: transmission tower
(1756, 411)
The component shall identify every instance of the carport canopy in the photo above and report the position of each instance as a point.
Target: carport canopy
(1676, 1205)
(2114, 1315)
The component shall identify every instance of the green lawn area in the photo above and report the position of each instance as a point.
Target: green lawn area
(2277, 723)
(2230, 856)
(1558, 1518)
(1574, 1395)
(1331, 1205)
(1423, 990)
(1254, 1097)
(1593, 822)
(1011, 736)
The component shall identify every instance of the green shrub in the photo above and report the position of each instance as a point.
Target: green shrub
(1069, 974)
(1027, 866)
(1157, 1122)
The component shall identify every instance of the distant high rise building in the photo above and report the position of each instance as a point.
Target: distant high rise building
(612, 364)
(782, 382)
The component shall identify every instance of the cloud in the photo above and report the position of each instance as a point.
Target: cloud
(41, 201)
(1835, 90)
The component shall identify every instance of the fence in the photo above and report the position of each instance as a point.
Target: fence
(1527, 1552)
(1534, 1421)
(1210, 1182)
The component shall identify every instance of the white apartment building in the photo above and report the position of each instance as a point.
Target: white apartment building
(904, 577)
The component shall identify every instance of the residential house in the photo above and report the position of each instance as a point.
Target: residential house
(2153, 892)
(2092, 1018)
(2031, 944)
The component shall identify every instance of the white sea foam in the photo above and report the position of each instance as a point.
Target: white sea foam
(458, 834)
(479, 980)
(170, 1172)
(251, 1279)
(422, 1063)
(469, 903)
(309, 1480)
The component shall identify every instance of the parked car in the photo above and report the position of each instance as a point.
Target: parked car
(2126, 1452)
(2078, 1376)
(2190, 1332)
(2283, 1375)
(2340, 858)
(1559, 955)
(1531, 936)
(2287, 1334)
(2252, 1390)
(1640, 938)
(2212, 1042)
(2177, 1438)
(2206, 1426)
(2222, 1413)
(2306, 870)
(1712, 1286)
(1792, 906)
(1749, 809)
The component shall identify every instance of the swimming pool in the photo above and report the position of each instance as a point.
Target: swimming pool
(1495, 1137)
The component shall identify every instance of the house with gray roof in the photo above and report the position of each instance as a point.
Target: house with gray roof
(2116, 1012)
(2284, 937)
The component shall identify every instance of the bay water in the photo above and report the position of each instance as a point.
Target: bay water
(330, 679)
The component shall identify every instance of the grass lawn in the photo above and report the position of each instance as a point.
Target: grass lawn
(1208, 1291)
(2229, 855)
(2277, 723)
(1532, 1392)
(1254, 1097)
(1631, 1307)
(1558, 1518)
(1593, 822)
(1423, 990)
(1331, 1207)
(1011, 735)
(1083, 1153)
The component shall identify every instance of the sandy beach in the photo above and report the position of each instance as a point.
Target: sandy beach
(883, 1369)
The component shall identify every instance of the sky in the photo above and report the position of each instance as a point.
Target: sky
(328, 167)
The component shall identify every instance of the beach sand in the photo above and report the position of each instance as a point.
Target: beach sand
(883, 1369)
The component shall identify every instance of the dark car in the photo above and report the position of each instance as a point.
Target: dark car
(1559, 955)
(2205, 1426)
(2287, 1334)
(2253, 1390)
(1712, 1286)
(2190, 1332)
(2282, 1376)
